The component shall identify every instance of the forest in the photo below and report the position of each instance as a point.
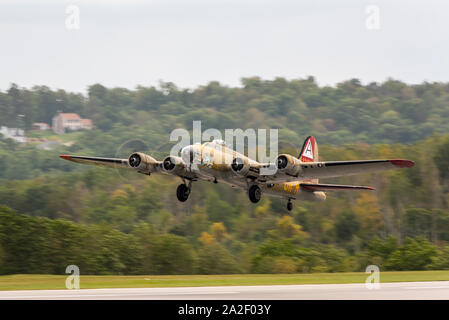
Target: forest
(54, 213)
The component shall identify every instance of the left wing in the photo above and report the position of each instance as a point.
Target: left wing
(138, 161)
(105, 162)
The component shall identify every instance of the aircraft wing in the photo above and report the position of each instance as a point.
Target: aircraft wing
(97, 161)
(332, 169)
(329, 169)
(140, 162)
(331, 187)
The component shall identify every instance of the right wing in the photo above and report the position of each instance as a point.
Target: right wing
(306, 166)
(332, 169)
(326, 169)
(331, 187)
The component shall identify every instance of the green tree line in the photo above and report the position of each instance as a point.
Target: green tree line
(108, 221)
(57, 213)
(391, 111)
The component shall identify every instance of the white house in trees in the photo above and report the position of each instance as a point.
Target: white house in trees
(42, 126)
(69, 121)
(15, 134)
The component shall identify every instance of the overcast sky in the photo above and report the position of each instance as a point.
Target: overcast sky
(127, 43)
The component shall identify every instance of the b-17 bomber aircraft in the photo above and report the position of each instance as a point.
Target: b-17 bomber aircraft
(293, 178)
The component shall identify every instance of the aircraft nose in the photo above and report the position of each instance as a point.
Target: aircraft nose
(187, 154)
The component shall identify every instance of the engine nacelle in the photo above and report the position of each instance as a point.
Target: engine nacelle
(173, 164)
(240, 166)
(142, 162)
(288, 164)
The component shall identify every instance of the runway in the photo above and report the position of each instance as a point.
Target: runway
(387, 291)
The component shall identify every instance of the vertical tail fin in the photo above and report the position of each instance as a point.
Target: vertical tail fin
(309, 152)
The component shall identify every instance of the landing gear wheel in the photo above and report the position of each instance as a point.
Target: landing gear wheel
(254, 193)
(289, 205)
(182, 192)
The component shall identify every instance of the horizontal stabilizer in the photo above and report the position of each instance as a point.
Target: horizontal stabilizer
(330, 187)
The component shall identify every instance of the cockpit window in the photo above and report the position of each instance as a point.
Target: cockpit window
(219, 142)
(187, 154)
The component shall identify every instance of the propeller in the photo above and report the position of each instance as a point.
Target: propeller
(134, 160)
(281, 162)
(168, 164)
(237, 164)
